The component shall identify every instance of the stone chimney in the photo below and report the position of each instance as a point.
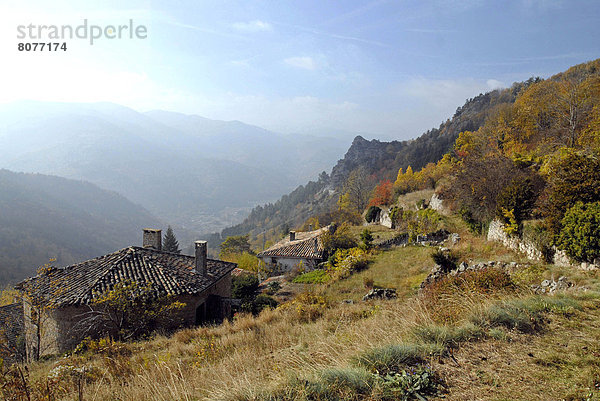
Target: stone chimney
(152, 239)
(292, 236)
(201, 257)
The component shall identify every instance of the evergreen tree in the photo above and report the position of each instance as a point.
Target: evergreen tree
(170, 242)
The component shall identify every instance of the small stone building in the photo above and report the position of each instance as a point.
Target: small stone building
(203, 284)
(304, 248)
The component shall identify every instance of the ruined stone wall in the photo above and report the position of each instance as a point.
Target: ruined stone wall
(287, 264)
(526, 246)
(496, 233)
(48, 331)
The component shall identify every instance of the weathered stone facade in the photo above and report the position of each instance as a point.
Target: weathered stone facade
(60, 329)
(12, 339)
(436, 203)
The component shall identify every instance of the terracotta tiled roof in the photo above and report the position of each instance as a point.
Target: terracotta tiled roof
(168, 273)
(308, 245)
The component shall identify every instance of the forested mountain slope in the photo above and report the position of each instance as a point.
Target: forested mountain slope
(378, 160)
(43, 217)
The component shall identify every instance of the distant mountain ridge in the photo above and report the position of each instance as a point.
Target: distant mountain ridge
(43, 217)
(188, 170)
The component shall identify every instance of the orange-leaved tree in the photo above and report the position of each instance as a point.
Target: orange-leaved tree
(382, 194)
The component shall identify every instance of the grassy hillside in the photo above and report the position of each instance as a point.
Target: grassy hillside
(483, 343)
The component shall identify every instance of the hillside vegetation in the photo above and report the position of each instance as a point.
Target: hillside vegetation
(479, 341)
(462, 318)
(373, 161)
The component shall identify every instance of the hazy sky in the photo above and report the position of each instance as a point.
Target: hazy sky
(392, 69)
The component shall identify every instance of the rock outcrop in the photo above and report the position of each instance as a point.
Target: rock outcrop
(551, 286)
(380, 293)
(437, 273)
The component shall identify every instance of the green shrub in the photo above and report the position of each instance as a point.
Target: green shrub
(580, 234)
(348, 261)
(411, 384)
(423, 222)
(447, 336)
(372, 213)
(395, 357)
(367, 239)
(475, 226)
(572, 177)
(525, 315)
(447, 260)
(340, 239)
(261, 302)
(245, 261)
(244, 286)
(317, 276)
(273, 287)
(519, 196)
(396, 213)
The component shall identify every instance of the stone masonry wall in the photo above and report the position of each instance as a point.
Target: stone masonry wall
(496, 233)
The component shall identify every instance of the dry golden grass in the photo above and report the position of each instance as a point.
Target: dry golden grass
(563, 363)
(241, 359)
(380, 233)
(408, 201)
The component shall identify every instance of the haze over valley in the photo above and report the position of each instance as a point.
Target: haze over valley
(189, 171)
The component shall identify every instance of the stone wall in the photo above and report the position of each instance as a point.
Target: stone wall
(496, 233)
(287, 264)
(436, 203)
(47, 330)
(437, 273)
(526, 246)
(385, 219)
(12, 332)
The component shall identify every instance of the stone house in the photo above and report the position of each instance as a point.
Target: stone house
(304, 248)
(202, 284)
